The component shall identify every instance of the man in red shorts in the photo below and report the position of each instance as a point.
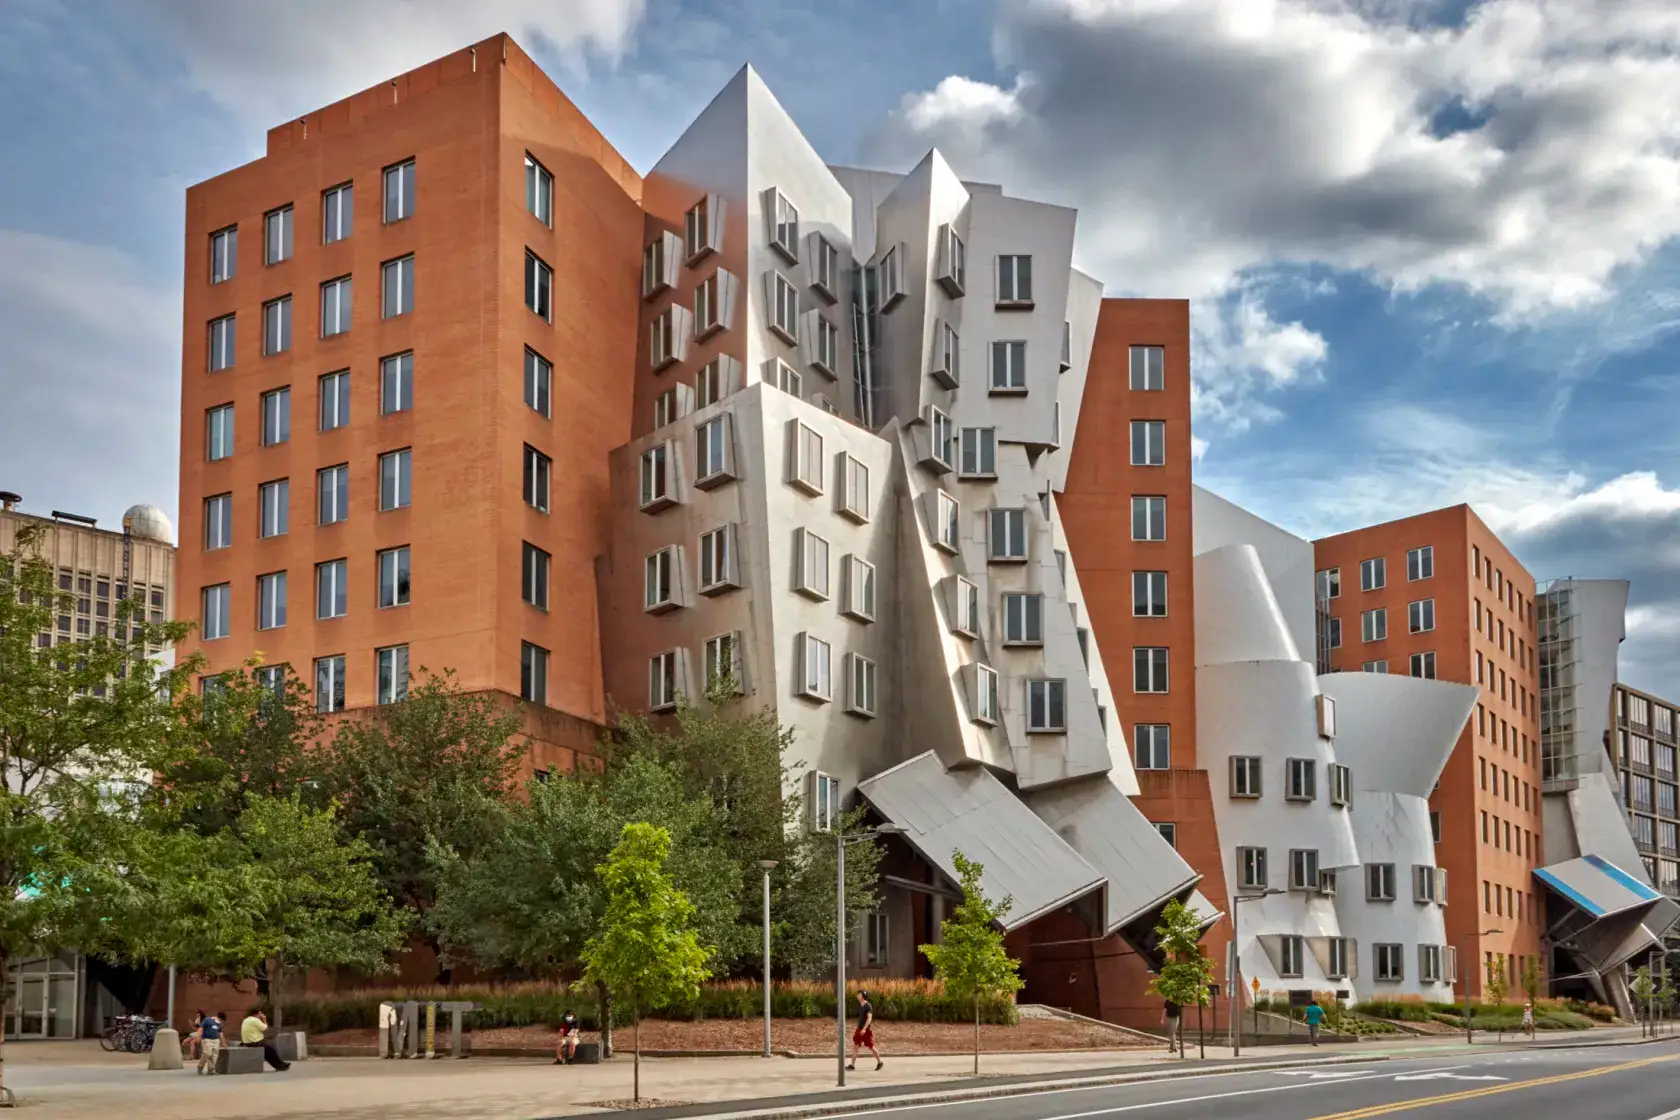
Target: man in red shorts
(864, 1036)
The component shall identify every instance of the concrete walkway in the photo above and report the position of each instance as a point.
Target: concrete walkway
(78, 1080)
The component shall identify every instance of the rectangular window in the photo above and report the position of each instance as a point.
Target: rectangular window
(329, 684)
(822, 801)
(539, 191)
(947, 522)
(1429, 964)
(816, 669)
(784, 306)
(722, 663)
(1148, 368)
(711, 449)
(1149, 594)
(1149, 669)
(538, 475)
(399, 191)
(334, 391)
(277, 235)
(224, 254)
(1153, 746)
(717, 568)
(824, 344)
(274, 500)
(1302, 779)
(218, 433)
(784, 225)
(1009, 366)
(539, 383)
(1245, 776)
(1341, 785)
(332, 595)
(276, 417)
(860, 588)
(1251, 868)
(1390, 961)
(338, 210)
(1420, 616)
(805, 469)
(1373, 574)
(662, 681)
(860, 686)
(947, 356)
(1007, 534)
(396, 478)
(277, 326)
(335, 307)
(1333, 632)
(1423, 665)
(811, 552)
(1046, 706)
(1329, 583)
(396, 383)
(218, 522)
(985, 694)
(533, 575)
(1014, 281)
(1420, 563)
(890, 279)
(659, 580)
(1303, 869)
(965, 604)
(221, 343)
(1423, 882)
(271, 601)
(1338, 952)
(1149, 443)
(1379, 882)
(942, 438)
(854, 497)
(1373, 625)
(391, 670)
(396, 286)
(1149, 518)
(216, 610)
(656, 493)
(825, 267)
(533, 673)
(700, 228)
(1023, 619)
(332, 494)
(539, 286)
(393, 577)
(978, 453)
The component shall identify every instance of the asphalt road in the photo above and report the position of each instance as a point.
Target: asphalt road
(1597, 1082)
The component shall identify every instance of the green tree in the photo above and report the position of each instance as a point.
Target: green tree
(321, 905)
(530, 899)
(1642, 990)
(1665, 995)
(803, 904)
(646, 950)
(970, 959)
(1495, 991)
(193, 901)
(79, 717)
(1187, 970)
(1531, 979)
(429, 770)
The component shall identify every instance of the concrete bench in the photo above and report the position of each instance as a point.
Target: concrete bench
(588, 1054)
(239, 1059)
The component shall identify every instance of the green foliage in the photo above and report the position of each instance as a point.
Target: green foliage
(1496, 987)
(970, 959)
(803, 903)
(1188, 970)
(1548, 1014)
(193, 901)
(525, 1004)
(1531, 978)
(428, 772)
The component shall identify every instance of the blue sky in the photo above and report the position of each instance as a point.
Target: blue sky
(1431, 245)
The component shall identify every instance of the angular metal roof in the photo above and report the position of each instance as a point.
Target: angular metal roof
(1597, 886)
(970, 811)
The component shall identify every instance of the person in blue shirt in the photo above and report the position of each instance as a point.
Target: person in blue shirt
(209, 1041)
(1315, 1016)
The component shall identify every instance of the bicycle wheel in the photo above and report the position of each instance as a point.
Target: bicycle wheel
(108, 1040)
(134, 1042)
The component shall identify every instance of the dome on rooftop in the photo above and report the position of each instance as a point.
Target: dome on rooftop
(149, 523)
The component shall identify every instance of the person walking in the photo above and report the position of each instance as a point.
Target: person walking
(1315, 1016)
(1171, 1016)
(565, 1047)
(864, 1036)
(209, 1042)
(254, 1032)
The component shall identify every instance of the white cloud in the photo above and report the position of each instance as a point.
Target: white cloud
(1239, 353)
(268, 61)
(91, 346)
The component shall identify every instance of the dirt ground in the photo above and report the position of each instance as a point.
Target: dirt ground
(804, 1036)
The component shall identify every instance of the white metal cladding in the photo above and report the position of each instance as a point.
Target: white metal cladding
(1099, 822)
(1396, 732)
(969, 811)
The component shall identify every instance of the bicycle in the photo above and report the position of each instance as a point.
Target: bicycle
(134, 1034)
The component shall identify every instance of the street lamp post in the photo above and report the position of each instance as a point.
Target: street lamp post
(1236, 965)
(767, 866)
(1468, 1038)
(840, 842)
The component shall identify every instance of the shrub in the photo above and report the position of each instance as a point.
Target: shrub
(532, 1004)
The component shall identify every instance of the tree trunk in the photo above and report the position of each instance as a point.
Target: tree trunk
(276, 986)
(636, 1025)
(5, 1009)
(603, 1002)
(977, 1034)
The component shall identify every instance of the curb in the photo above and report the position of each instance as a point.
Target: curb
(980, 1093)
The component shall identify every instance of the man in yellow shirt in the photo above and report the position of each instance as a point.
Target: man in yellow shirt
(254, 1032)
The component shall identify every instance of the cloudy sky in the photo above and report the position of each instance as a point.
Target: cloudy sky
(1431, 245)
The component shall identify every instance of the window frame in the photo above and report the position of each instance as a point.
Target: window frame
(337, 295)
(332, 595)
(333, 480)
(862, 682)
(1153, 443)
(1252, 871)
(394, 305)
(1148, 516)
(1023, 618)
(1152, 746)
(278, 232)
(332, 387)
(393, 577)
(1013, 367)
(402, 173)
(387, 662)
(1018, 268)
(275, 521)
(539, 287)
(539, 191)
(535, 574)
(399, 368)
(1380, 882)
(537, 479)
(338, 203)
(1373, 573)
(533, 673)
(1012, 520)
(1150, 606)
(396, 481)
(1054, 697)
(1295, 789)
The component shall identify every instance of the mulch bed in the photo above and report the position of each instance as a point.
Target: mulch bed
(803, 1036)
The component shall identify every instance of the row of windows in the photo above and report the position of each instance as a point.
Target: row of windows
(1373, 573)
(1503, 589)
(1509, 786)
(1513, 838)
(1300, 779)
(1429, 883)
(1436, 963)
(396, 299)
(1505, 638)
(390, 668)
(1373, 624)
(332, 595)
(1638, 751)
(337, 222)
(1507, 902)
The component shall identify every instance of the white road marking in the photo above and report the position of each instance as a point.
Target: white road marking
(1668, 1115)
(1322, 1074)
(1447, 1077)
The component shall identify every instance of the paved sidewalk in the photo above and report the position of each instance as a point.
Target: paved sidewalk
(78, 1081)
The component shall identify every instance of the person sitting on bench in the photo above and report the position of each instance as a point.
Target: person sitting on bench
(254, 1032)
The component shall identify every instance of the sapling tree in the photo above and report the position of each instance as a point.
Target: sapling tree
(1188, 970)
(970, 959)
